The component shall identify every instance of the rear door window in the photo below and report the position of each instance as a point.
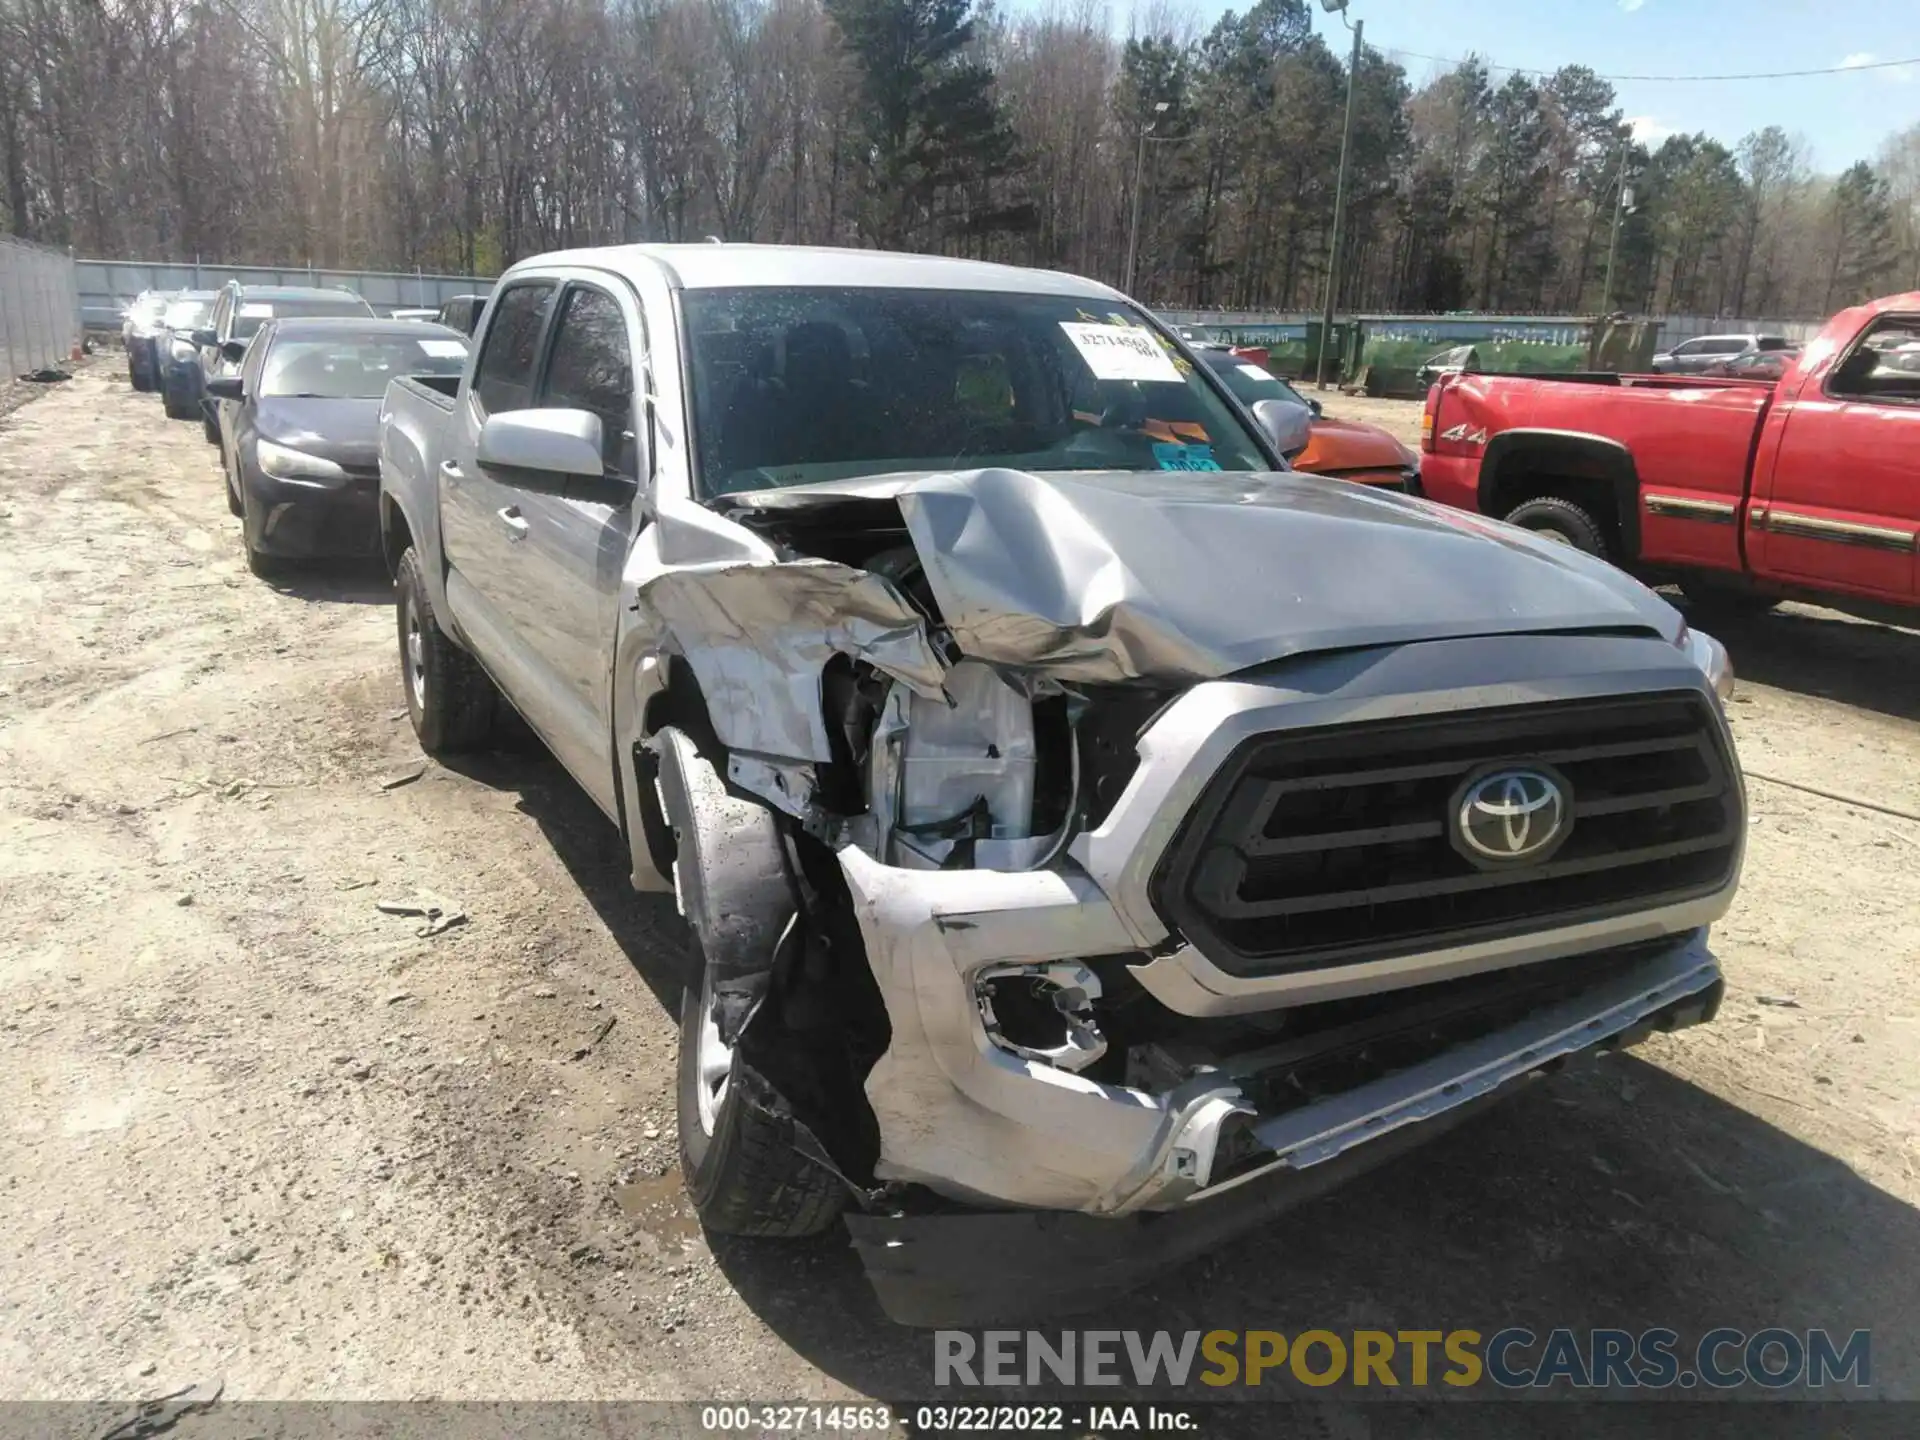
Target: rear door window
(504, 379)
(591, 368)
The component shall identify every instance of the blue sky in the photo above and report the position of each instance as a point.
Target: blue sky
(1843, 117)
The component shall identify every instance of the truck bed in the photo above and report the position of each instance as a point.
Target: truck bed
(1680, 446)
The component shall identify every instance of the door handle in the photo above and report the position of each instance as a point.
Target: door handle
(514, 521)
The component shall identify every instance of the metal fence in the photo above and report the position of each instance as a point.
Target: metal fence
(106, 286)
(38, 307)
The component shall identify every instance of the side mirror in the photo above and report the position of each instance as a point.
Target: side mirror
(1288, 424)
(1315, 407)
(234, 351)
(554, 445)
(225, 387)
(206, 337)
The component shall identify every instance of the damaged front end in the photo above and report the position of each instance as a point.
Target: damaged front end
(1117, 885)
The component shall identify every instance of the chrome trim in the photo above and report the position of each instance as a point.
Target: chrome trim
(1186, 747)
(1687, 507)
(1840, 532)
(1187, 982)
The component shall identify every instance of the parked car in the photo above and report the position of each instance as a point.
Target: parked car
(301, 451)
(432, 316)
(178, 356)
(462, 312)
(1745, 494)
(1693, 357)
(237, 314)
(1067, 818)
(1754, 364)
(137, 333)
(1343, 449)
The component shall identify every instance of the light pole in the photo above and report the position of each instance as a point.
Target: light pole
(1160, 107)
(1338, 7)
(1622, 206)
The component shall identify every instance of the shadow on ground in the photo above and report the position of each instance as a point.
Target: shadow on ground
(1615, 1195)
(645, 926)
(1819, 652)
(342, 582)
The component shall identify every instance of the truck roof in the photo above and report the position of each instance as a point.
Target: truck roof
(722, 266)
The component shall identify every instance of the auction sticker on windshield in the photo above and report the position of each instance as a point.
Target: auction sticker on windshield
(1120, 352)
(1185, 457)
(444, 349)
(256, 310)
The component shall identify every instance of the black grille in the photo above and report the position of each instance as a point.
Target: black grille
(1325, 847)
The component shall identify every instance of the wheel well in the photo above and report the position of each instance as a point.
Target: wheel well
(681, 704)
(1594, 473)
(395, 536)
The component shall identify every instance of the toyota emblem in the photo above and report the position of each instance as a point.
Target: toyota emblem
(1511, 816)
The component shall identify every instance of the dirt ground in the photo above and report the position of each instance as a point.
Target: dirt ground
(260, 1131)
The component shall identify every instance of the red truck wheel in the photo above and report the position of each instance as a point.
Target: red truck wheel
(1555, 519)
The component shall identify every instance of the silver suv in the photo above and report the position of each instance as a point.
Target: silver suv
(1692, 357)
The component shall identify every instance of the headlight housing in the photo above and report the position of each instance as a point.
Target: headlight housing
(1711, 656)
(284, 463)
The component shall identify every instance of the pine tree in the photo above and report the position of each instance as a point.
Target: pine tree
(932, 140)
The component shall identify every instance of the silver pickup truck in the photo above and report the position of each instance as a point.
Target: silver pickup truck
(1095, 836)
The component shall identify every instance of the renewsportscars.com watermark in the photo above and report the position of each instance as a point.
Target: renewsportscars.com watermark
(1508, 1359)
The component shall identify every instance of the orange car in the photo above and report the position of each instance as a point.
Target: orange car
(1344, 449)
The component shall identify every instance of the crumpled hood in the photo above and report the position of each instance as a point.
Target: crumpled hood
(1104, 577)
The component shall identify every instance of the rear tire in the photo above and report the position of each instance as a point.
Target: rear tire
(450, 700)
(1563, 521)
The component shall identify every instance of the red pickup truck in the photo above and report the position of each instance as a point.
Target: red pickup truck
(1746, 492)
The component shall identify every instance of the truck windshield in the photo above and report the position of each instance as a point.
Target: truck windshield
(356, 367)
(792, 386)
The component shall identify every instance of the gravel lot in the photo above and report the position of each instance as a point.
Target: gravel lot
(261, 1131)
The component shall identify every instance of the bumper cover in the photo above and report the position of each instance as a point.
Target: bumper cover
(987, 1267)
(313, 519)
(977, 1122)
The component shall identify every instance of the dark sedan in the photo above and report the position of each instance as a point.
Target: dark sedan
(139, 332)
(178, 358)
(303, 469)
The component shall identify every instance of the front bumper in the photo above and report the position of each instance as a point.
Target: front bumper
(989, 1267)
(973, 1118)
(298, 519)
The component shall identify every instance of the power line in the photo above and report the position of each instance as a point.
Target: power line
(1686, 79)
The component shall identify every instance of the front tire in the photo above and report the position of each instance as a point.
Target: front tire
(450, 700)
(739, 1150)
(209, 430)
(177, 406)
(1561, 521)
